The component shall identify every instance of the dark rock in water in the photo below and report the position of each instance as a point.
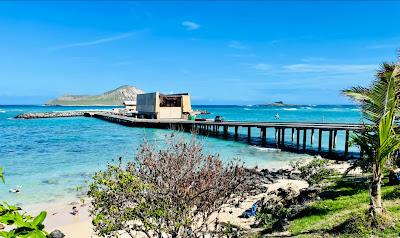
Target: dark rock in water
(50, 181)
(56, 234)
(33, 115)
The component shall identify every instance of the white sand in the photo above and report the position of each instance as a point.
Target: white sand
(80, 226)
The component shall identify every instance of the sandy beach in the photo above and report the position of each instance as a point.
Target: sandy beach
(79, 226)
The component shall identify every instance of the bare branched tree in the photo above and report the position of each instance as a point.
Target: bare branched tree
(169, 191)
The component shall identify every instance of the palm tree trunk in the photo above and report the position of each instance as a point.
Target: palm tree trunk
(375, 191)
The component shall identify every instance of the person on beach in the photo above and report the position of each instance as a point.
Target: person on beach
(16, 190)
(75, 211)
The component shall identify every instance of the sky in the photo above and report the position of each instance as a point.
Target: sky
(241, 52)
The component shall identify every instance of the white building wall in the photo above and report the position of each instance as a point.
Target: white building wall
(170, 113)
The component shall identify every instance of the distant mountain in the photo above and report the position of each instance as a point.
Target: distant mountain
(114, 97)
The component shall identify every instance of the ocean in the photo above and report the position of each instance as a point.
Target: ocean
(50, 158)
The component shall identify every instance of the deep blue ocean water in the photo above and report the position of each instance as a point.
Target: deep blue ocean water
(49, 158)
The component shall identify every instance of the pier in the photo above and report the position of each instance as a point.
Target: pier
(290, 136)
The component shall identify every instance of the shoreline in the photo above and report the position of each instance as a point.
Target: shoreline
(79, 226)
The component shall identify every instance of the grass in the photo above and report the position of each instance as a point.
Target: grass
(341, 212)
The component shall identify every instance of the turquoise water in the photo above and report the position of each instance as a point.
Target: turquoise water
(49, 158)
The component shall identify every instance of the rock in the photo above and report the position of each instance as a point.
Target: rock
(270, 178)
(34, 115)
(50, 114)
(294, 176)
(310, 193)
(265, 171)
(56, 234)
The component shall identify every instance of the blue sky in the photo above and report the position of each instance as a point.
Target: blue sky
(221, 52)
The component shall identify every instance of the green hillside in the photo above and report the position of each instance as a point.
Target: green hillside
(114, 97)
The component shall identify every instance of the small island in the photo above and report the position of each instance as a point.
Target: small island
(279, 104)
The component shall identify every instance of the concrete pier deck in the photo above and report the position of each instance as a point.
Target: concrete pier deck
(230, 129)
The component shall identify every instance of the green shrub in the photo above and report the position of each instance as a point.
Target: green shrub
(314, 171)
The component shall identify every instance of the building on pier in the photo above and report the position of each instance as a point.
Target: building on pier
(130, 106)
(163, 106)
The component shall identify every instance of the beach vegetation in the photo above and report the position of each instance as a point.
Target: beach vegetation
(2, 179)
(379, 139)
(24, 224)
(171, 191)
(313, 171)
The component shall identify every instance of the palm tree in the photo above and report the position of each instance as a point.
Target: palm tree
(378, 140)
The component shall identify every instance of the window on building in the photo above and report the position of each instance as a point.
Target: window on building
(170, 101)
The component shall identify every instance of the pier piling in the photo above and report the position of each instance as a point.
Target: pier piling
(319, 140)
(330, 141)
(334, 138)
(236, 132)
(312, 137)
(346, 143)
(292, 135)
(263, 135)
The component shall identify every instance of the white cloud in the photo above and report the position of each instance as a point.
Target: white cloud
(329, 68)
(312, 59)
(385, 46)
(262, 67)
(124, 63)
(190, 26)
(95, 42)
(322, 69)
(390, 43)
(237, 45)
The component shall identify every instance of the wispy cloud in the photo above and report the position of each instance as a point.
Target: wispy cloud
(95, 42)
(237, 45)
(329, 68)
(313, 59)
(250, 55)
(385, 46)
(389, 43)
(124, 62)
(262, 67)
(314, 68)
(190, 26)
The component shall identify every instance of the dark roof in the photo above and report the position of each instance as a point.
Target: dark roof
(175, 94)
